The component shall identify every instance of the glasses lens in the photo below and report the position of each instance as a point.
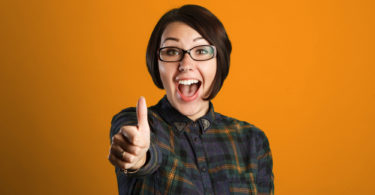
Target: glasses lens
(170, 54)
(204, 52)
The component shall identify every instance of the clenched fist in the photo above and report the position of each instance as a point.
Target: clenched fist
(130, 145)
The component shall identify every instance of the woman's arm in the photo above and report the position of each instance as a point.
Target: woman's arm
(264, 180)
(131, 149)
(130, 144)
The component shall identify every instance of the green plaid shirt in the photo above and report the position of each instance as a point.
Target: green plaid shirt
(215, 154)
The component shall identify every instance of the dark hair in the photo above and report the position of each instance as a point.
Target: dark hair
(207, 25)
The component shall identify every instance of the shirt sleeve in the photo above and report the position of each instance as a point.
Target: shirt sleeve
(265, 177)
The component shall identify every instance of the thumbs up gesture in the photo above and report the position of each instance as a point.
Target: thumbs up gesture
(130, 145)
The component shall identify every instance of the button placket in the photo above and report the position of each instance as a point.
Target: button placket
(200, 155)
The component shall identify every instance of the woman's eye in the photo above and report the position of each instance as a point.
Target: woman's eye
(172, 52)
(201, 51)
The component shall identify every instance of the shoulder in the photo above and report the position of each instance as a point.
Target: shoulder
(246, 129)
(128, 116)
(127, 113)
(236, 123)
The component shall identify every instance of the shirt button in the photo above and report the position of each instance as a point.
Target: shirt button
(203, 169)
(195, 139)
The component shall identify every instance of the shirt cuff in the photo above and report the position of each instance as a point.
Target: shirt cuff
(153, 161)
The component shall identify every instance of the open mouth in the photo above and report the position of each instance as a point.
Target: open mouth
(188, 89)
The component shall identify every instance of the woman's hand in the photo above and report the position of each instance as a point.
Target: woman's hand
(130, 145)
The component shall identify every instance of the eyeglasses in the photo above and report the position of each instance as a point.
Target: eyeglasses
(197, 53)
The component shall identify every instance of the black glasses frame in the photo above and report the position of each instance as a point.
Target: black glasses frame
(186, 51)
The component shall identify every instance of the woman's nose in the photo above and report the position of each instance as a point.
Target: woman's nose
(186, 64)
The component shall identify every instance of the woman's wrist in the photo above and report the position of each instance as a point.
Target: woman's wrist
(141, 162)
(138, 165)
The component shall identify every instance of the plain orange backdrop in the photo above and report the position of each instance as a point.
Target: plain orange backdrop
(303, 71)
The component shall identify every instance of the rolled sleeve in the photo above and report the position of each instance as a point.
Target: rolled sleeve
(152, 164)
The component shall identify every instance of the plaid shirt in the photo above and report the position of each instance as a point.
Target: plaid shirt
(215, 154)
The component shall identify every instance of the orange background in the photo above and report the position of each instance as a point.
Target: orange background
(303, 71)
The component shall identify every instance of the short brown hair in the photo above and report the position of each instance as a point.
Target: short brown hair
(206, 24)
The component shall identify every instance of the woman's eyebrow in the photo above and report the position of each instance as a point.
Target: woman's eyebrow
(170, 38)
(175, 39)
(198, 38)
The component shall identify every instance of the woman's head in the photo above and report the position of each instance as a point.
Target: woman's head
(206, 24)
(201, 63)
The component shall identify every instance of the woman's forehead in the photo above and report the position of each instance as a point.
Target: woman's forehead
(179, 32)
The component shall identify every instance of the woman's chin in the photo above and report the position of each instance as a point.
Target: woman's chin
(192, 109)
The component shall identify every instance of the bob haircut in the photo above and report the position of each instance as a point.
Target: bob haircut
(207, 25)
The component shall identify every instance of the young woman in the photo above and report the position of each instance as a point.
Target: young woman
(181, 145)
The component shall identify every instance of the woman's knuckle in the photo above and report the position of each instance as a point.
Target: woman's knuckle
(115, 139)
(131, 158)
(137, 151)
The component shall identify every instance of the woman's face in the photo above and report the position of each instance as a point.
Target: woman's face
(186, 82)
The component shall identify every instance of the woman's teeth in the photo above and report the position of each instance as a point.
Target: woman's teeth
(187, 82)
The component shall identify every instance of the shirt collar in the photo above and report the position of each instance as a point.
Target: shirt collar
(180, 121)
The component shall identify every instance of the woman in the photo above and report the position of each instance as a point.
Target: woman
(180, 145)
